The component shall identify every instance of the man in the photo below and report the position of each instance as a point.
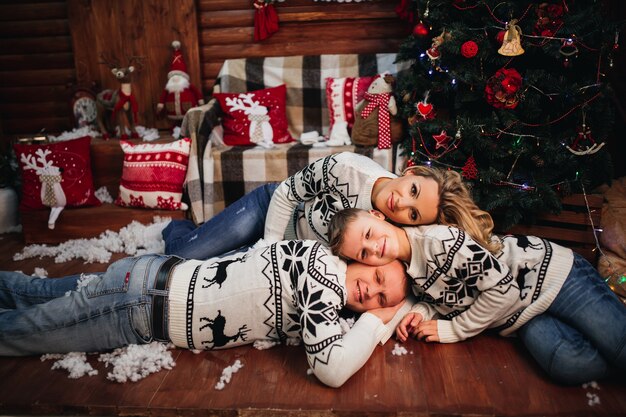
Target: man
(284, 290)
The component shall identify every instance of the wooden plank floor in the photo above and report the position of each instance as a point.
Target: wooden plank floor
(487, 376)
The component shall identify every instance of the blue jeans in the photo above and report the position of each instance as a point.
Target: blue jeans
(49, 316)
(582, 336)
(239, 225)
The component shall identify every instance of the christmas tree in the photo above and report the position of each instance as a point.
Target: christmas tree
(512, 94)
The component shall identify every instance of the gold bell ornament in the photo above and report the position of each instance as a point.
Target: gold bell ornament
(511, 44)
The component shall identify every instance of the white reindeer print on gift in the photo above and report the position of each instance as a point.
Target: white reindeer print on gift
(52, 194)
(261, 131)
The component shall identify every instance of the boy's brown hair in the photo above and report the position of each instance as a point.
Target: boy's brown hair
(338, 224)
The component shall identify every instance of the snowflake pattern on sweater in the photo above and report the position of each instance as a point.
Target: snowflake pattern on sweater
(289, 289)
(469, 290)
(303, 205)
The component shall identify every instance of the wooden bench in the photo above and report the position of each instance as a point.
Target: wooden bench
(84, 222)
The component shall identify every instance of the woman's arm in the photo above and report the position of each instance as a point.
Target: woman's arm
(302, 186)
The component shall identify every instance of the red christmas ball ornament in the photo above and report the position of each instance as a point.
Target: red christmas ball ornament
(420, 30)
(500, 36)
(469, 49)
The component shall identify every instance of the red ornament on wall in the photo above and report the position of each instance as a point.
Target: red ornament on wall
(420, 30)
(469, 49)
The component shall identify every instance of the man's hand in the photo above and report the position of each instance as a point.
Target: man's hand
(386, 313)
(427, 331)
(408, 326)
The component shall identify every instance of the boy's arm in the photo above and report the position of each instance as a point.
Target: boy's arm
(497, 292)
(302, 186)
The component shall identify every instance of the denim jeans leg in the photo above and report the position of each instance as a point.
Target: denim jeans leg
(565, 354)
(586, 303)
(111, 311)
(240, 224)
(585, 322)
(18, 290)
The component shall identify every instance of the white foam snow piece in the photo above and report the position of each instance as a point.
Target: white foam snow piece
(147, 134)
(135, 362)
(75, 363)
(399, 350)
(227, 374)
(74, 134)
(133, 239)
(40, 273)
(263, 344)
(103, 195)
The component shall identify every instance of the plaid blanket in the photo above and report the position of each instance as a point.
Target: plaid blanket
(225, 173)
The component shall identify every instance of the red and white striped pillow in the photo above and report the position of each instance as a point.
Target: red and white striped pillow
(153, 174)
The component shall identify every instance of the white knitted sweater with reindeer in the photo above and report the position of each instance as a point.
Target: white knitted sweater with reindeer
(290, 289)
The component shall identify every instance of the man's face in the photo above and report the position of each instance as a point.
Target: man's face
(370, 239)
(372, 287)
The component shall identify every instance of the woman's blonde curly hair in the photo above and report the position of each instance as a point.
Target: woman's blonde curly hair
(457, 208)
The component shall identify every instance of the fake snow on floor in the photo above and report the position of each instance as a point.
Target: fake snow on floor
(130, 363)
(134, 239)
(227, 374)
(592, 398)
(399, 350)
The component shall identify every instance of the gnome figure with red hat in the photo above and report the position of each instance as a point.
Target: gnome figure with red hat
(179, 94)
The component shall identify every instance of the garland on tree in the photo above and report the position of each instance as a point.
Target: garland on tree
(522, 84)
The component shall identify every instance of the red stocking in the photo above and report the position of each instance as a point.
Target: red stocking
(260, 22)
(272, 19)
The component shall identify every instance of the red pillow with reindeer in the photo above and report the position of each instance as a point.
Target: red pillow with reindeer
(255, 118)
(56, 174)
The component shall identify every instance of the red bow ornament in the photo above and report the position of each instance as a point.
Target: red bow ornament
(380, 100)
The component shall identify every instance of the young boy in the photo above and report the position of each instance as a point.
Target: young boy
(290, 289)
(564, 313)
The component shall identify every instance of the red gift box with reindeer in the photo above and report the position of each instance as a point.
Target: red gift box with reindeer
(56, 175)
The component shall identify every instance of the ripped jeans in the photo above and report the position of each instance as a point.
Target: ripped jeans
(239, 225)
(51, 315)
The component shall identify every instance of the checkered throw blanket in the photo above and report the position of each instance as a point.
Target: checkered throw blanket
(225, 173)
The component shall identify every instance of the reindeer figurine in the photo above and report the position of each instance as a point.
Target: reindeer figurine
(261, 131)
(52, 194)
(117, 109)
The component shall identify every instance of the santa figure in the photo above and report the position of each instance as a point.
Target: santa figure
(179, 94)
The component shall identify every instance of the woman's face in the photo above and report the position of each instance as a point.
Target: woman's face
(409, 199)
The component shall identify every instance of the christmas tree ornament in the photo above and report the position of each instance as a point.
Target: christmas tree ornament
(500, 36)
(469, 49)
(501, 90)
(511, 44)
(549, 19)
(433, 52)
(470, 171)
(424, 108)
(442, 139)
(584, 144)
(420, 30)
(426, 11)
(179, 95)
(569, 50)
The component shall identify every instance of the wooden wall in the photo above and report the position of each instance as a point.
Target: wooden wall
(36, 66)
(226, 28)
(49, 48)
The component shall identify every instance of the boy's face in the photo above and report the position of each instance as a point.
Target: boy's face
(409, 199)
(370, 239)
(370, 287)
